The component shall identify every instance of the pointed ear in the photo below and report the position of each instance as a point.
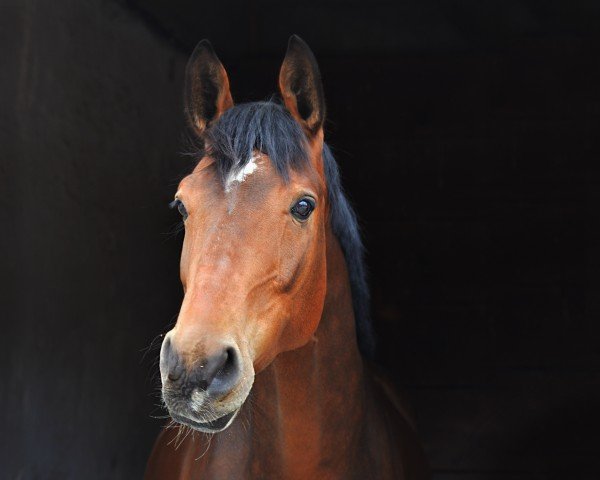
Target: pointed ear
(207, 93)
(300, 86)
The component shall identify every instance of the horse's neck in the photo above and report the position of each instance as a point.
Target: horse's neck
(317, 391)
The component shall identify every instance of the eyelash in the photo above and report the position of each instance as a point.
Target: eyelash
(178, 204)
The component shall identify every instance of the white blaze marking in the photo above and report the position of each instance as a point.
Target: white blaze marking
(240, 175)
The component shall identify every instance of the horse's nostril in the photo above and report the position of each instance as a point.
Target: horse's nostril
(170, 362)
(175, 369)
(227, 375)
(218, 374)
(230, 364)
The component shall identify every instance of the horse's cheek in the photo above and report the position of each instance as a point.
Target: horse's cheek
(306, 306)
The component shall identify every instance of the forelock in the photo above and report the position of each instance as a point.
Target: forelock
(265, 127)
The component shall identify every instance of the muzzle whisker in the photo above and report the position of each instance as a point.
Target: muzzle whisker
(208, 442)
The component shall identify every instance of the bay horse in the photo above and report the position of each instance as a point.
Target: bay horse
(265, 357)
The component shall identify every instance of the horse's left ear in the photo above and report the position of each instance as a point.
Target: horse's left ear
(300, 86)
(207, 93)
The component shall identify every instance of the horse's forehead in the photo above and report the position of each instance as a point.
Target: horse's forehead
(254, 181)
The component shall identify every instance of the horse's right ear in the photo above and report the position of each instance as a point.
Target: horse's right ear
(207, 93)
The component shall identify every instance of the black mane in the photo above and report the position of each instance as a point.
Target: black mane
(270, 129)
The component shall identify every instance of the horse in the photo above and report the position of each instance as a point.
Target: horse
(265, 362)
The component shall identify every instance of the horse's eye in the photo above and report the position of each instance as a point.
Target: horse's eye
(303, 208)
(180, 206)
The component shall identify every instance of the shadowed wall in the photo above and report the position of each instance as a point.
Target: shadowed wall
(89, 137)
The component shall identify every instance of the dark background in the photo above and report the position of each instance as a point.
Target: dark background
(464, 131)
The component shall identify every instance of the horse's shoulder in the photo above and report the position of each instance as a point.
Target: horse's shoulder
(394, 433)
(173, 455)
(390, 391)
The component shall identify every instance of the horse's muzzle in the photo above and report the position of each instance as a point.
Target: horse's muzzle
(202, 395)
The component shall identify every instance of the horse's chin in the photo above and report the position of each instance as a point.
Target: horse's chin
(213, 426)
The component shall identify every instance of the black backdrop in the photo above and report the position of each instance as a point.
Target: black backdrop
(464, 131)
